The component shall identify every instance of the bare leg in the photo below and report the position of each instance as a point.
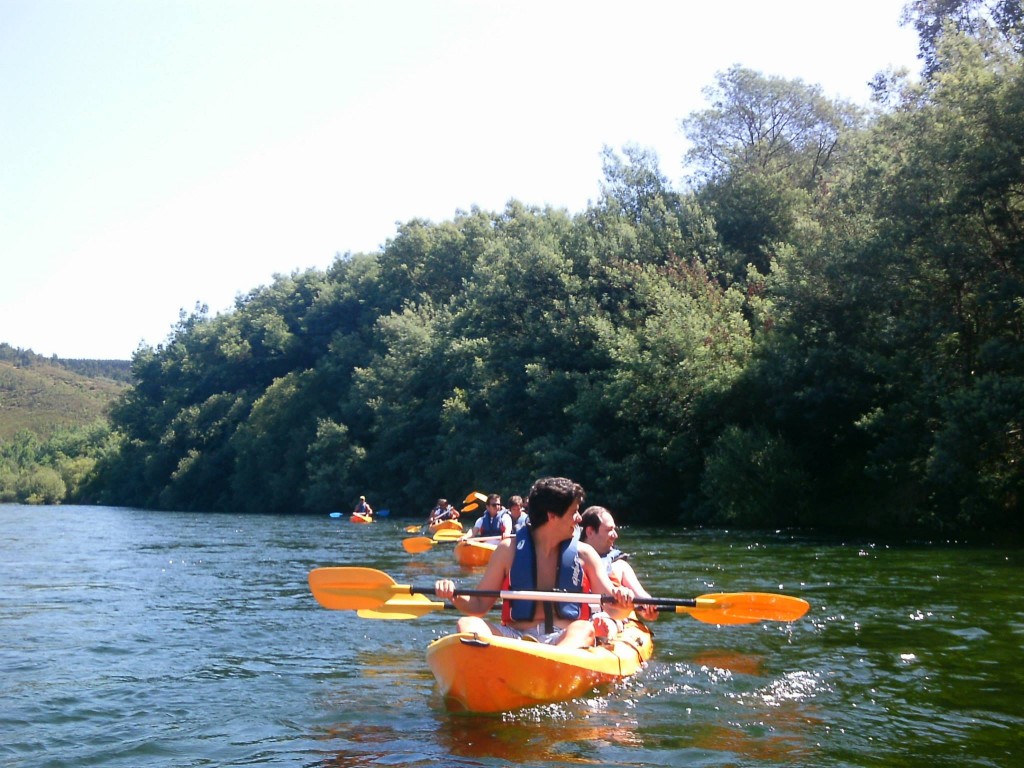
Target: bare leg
(473, 625)
(579, 634)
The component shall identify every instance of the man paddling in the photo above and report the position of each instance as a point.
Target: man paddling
(363, 508)
(597, 528)
(542, 556)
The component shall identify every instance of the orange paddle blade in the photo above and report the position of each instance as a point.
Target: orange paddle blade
(417, 544)
(410, 607)
(746, 608)
(352, 589)
(448, 534)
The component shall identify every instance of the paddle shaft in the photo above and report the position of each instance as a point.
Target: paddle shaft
(560, 597)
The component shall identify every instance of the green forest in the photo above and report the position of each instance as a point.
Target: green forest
(821, 328)
(53, 422)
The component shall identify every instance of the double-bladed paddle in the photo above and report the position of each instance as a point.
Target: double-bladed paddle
(417, 544)
(374, 594)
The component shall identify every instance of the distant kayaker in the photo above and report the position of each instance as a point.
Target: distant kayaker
(362, 508)
(597, 528)
(542, 556)
(442, 511)
(496, 521)
(517, 512)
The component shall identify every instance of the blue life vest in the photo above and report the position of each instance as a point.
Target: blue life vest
(612, 556)
(569, 577)
(493, 525)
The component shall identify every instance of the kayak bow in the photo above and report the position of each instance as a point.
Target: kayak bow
(497, 674)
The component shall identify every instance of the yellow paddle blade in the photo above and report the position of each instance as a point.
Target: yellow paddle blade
(474, 496)
(448, 534)
(411, 607)
(470, 507)
(746, 608)
(351, 589)
(417, 544)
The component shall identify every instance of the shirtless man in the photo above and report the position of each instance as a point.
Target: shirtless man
(545, 547)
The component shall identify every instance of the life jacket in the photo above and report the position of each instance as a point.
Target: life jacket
(613, 556)
(493, 525)
(569, 577)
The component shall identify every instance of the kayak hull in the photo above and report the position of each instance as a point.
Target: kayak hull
(358, 517)
(473, 554)
(445, 525)
(498, 674)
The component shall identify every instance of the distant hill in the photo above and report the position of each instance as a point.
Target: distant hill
(42, 394)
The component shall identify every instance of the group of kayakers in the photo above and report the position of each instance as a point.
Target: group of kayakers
(547, 544)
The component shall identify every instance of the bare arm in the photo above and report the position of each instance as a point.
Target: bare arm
(601, 584)
(492, 580)
(627, 577)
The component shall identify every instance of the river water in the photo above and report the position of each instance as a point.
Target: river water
(135, 638)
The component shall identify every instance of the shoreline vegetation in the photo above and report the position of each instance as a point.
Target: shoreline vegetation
(824, 329)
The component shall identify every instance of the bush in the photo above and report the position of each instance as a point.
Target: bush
(41, 485)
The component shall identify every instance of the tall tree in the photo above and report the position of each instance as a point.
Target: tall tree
(762, 152)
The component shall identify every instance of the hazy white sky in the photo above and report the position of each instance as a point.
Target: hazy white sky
(159, 153)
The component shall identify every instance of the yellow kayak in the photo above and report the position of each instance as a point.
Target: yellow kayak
(359, 517)
(472, 553)
(445, 525)
(497, 674)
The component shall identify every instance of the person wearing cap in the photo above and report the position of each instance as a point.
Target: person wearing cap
(362, 508)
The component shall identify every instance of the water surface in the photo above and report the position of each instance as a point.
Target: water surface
(134, 638)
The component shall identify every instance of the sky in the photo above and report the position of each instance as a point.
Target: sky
(159, 154)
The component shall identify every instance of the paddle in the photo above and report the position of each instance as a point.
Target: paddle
(335, 514)
(418, 544)
(474, 496)
(469, 507)
(449, 534)
(377, 594)
(413, 528)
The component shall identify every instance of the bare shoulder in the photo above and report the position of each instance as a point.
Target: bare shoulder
(498, 566)
(586, 551)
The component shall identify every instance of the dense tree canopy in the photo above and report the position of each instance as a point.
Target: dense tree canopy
(826, 328)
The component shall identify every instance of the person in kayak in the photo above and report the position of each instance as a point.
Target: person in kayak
(597, 528)
(543, 555)
(362, 508)
(496, 521)
(442, 510)
(517, 513)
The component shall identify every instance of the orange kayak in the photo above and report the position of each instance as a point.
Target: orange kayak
(359, 517)
(473, 553)
(445, 525)
(498, 674)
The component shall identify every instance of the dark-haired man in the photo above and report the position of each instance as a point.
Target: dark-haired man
(542, 556)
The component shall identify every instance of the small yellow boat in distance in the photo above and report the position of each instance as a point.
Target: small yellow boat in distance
(499, 674)
(445, 525)
(359, 517)
(472, 553)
